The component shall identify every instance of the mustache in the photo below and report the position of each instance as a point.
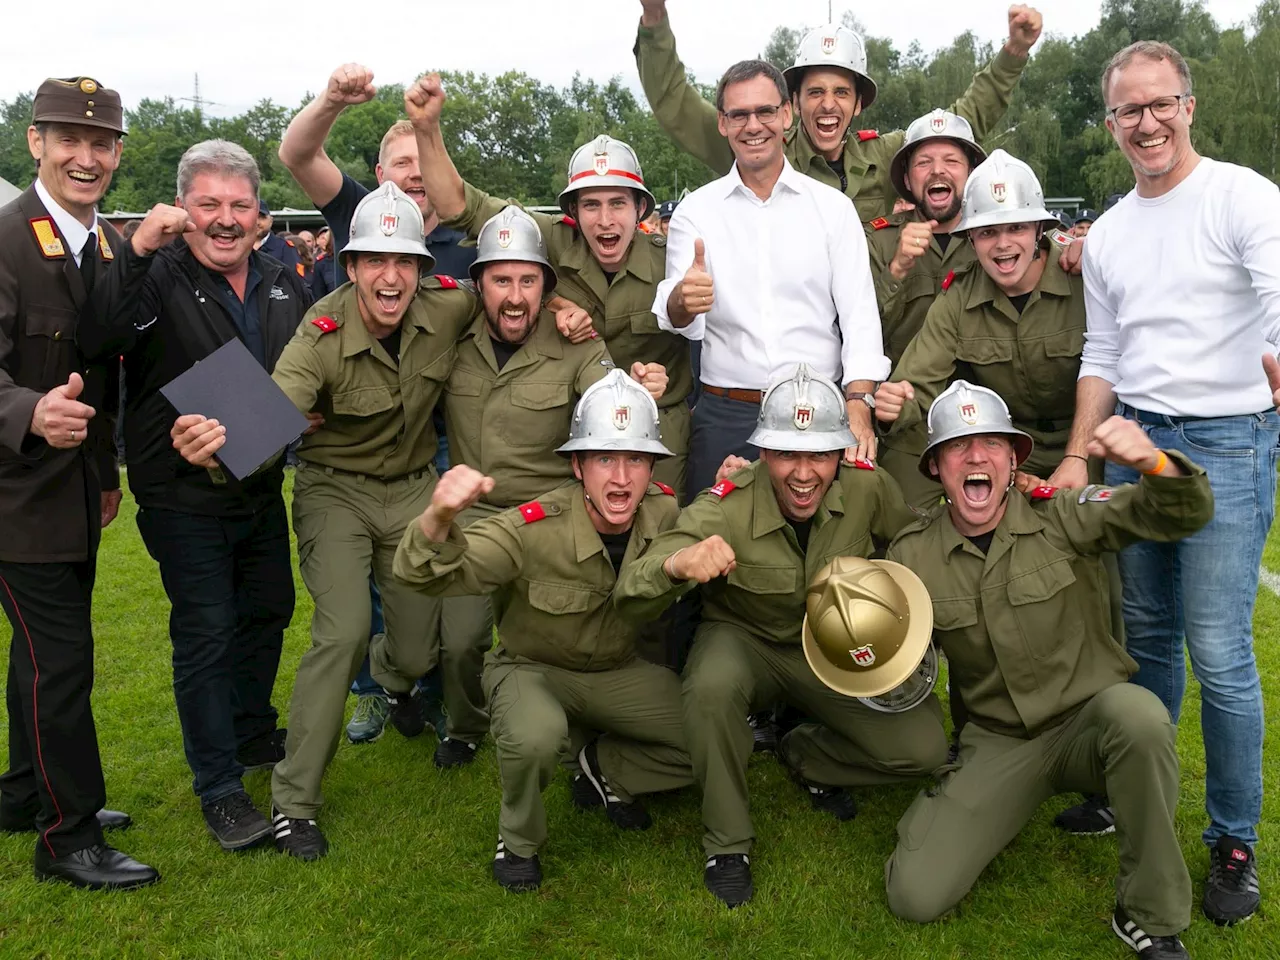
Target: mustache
(217, 230)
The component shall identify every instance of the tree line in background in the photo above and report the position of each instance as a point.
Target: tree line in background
(513, 135)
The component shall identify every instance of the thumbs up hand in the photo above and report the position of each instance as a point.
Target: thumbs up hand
(60, 418)
(697, 291)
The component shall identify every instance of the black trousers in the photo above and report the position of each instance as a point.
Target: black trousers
(54, 771)
(720, 427)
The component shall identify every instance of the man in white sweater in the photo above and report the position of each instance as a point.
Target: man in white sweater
(1182, 287)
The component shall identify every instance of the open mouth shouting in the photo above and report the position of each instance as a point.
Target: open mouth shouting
(1006, 264)
(803, 496)
(828, 126)
(977, 489)
(388, 300)
(610, 244)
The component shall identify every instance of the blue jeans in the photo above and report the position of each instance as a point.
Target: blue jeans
(230, 587)
(1204, 588)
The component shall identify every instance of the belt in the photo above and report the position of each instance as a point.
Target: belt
(733, 393)
(362, 477)
(1164, 419)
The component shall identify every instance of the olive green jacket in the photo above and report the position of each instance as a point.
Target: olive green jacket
(764, 593)
(621, 311)
(904, 303)
(552, 570)
(693, 123)
(377, 413)
(1027, 628)
(507, 423)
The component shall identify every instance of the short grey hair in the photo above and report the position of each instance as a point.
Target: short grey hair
(217, 156)
(745, 70)
(1153, 50)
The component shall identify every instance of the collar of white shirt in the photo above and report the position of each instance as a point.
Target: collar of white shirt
(789, 179)
(75, 233)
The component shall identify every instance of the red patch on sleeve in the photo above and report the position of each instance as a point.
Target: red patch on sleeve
(879, 223)
(447, 281)
(1045, 492)
(723, 488)
(948, 280)
(669, 491)
(864, 464)
(865, 135)
(568, 221)
(532, 511)
(301, 272)
(326, 324)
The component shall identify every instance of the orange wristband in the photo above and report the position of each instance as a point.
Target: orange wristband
(1161, 462)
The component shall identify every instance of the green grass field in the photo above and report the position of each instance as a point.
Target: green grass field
(409, 869)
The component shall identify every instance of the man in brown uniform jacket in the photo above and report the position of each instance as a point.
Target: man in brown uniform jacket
(58, 484)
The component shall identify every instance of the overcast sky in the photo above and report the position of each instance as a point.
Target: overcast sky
(280, 50)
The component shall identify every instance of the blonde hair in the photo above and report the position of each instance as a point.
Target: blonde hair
(401, 128)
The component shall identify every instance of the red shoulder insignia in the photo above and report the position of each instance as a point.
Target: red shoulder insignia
(568, 221)
(865, 135)
(301, 270)
(669, 491)
(532, 511)
(288, 242)
(325, 324)
(863, 464)
(1044, 492)
(447, 281)
(948, 280)
(879, 223)
(723, 488)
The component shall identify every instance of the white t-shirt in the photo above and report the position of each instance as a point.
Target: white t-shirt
(1182, 293)
(792, 282)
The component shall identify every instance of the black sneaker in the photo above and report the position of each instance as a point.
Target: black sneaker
(264, 752)
(1092, 818)
(298, 838)
(517, 874)
(728, 876)
(1231, 892)
(406, 713)
(235, 822)
(454, 753)
(625, 816)
(584, 794)
(1142, 943)
(764, 732)
(836, 801)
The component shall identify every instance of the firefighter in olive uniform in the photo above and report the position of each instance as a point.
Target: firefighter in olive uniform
(1020, 609)
(608, 269)
(564, 656)
(829, 87)
(755, 542)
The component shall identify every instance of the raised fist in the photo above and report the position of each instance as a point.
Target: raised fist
(160, 226)
(891, 396)
(704, 561)
(913, 241)
(423, 102)
(458, 489)
(350, 84)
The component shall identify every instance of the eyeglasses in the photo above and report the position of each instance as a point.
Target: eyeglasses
(739, 118)
(1165, 108)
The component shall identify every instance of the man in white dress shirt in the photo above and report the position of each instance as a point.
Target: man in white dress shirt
(768, 268)
(1182, 287)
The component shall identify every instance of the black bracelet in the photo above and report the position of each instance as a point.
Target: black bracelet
(1076, 455)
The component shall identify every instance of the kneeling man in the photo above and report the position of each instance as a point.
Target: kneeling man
(1020, 609)
(564, 655)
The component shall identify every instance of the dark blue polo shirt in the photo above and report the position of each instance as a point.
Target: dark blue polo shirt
(245, 312)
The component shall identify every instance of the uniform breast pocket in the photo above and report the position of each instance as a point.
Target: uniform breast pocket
(464, 402)
(50, 354)
(55, 323)
(643, 323)
(984, 351)
(560, 599)
(539, 414)
(755, 578)
(363, 401)
(1043, 607)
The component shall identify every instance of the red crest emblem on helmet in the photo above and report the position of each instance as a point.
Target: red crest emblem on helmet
(829, 45)
(504, 237)
(388, 224)
(969, 413)
(803, 417)
(602, 164)
(863, 656)
(937, 123)
(999, 190)
(622, 417)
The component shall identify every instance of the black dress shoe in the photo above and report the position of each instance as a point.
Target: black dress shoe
(97, 867)
(107, 820)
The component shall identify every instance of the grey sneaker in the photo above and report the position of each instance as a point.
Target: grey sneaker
(369, 719)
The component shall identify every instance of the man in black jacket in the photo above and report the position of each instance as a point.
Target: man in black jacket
(222, 545)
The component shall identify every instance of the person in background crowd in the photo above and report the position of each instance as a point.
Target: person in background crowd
(665, 209)
(1083, 222)
(273, 244)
